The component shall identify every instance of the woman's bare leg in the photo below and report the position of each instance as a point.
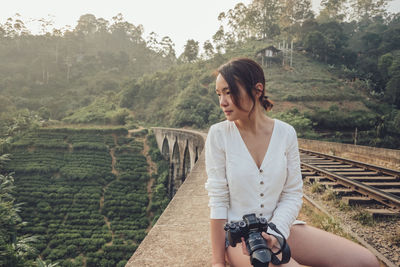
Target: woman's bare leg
(314, 247)
(236, 258)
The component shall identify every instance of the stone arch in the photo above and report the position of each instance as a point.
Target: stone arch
(197, 155)
(182, 149)
(165, 149)
(175, 169)
(186, 162)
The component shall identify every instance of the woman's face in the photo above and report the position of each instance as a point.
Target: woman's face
(231, 111)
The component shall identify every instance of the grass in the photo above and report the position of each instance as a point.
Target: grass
(322, 221)
(317, 187)
(329, 195)
(364, 217)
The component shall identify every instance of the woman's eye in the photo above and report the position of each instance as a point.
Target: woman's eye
(228, 93)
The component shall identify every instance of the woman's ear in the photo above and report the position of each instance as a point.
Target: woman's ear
(259, 89)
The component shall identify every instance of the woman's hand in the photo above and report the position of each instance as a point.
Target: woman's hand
(272, 243)
(218, 265)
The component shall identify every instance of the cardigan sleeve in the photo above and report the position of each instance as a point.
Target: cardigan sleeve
(216, 185)
(290, 200)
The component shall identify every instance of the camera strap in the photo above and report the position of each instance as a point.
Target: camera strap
(284, 248)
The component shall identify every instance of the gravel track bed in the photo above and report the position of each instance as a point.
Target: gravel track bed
(383, 234)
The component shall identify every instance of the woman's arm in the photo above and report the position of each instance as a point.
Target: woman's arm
(218, 242)
(218, 192)
(290, 201)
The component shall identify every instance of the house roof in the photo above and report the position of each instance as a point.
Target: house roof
(271, 47)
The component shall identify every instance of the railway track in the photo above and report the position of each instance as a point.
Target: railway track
(374, 187)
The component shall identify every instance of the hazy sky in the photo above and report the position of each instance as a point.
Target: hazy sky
(179, 19)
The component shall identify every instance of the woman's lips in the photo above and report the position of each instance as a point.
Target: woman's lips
(228, 112)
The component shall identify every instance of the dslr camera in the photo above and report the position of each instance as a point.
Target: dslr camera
(250, 228)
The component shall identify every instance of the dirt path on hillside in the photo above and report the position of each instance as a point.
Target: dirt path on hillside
(113, 162)
(107, 222)
(112, 232)
(101, 204)
(135, 130)
(151, 169)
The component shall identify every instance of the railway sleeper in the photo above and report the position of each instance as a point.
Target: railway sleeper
(358, 200)
(336, 169)
(377, 213)
(360, 173)
(394, 191)
(343, 191)
(392, 185)
(323, 162)
(318, 179)
(382, 179)
(307, 173)
(330, 184)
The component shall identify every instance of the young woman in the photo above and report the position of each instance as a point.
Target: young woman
(253, 166)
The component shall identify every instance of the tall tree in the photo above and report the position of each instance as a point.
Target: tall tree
(167, 49)
(393, 85)
(333, 10)
(268, 12)
(191, 51)
(208, 49)
(292, 14)
(367, 9)
(87, 25)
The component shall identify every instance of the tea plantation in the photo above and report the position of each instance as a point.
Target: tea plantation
(84, 193)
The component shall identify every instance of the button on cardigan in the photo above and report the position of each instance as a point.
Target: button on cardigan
(236, 186)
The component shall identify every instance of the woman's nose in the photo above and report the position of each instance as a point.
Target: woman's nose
(223, 102)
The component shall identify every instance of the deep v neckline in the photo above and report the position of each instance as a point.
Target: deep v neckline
(247, 149)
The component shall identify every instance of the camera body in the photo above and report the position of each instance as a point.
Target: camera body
(250, 224)
(250, 228)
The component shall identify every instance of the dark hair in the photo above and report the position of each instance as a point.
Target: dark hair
(247, 73)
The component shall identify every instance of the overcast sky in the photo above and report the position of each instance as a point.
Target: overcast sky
(179, 19)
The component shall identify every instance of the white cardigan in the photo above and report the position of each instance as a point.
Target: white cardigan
(236, 186)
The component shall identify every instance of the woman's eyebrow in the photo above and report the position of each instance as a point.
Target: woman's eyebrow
(223, 89)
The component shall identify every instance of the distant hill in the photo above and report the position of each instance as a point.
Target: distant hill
(310, 95)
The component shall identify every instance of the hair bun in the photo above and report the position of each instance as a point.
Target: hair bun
(267, 103)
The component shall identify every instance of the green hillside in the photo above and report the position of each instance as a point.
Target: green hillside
(310, 95)
(84, 193)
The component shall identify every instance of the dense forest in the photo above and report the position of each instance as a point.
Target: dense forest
(73, 181)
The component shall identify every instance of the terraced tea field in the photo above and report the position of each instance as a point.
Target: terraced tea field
(84, 193)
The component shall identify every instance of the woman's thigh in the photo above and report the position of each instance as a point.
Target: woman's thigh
(315, 247)
(236, 258)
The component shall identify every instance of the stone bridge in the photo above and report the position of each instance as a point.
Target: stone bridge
(182, 149)
(181, 235)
